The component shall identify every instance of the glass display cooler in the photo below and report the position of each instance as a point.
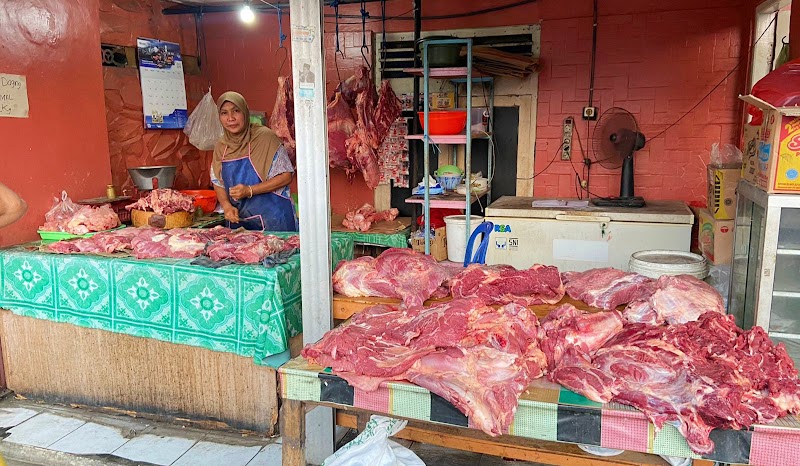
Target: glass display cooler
(765, 275)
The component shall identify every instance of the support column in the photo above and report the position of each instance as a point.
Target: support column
(311, 133)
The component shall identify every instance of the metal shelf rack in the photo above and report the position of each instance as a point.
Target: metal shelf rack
(457, 75)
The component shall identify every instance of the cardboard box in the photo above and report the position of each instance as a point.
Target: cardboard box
(714, 237)
(750, 151)
(722, 181)
(438, 244)
(777, 169)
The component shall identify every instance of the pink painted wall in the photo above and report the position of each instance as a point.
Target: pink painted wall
(63, 142)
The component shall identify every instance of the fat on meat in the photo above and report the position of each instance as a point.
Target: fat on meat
(396, 273)
(606, 288)
(281, 121)
(164, 202)
(341, 125)
(88, 219)
(503, 284)
(675, 299)
(479, 358)
(418, 276)
(362, 218)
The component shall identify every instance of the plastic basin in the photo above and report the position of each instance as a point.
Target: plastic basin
(445, 122)
(449, 182)
(205, 199)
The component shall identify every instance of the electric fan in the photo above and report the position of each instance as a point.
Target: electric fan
(616, 139)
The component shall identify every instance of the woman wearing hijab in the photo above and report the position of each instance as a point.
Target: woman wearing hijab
(251, 171)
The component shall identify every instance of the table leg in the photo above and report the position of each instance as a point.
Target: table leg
(293, 433)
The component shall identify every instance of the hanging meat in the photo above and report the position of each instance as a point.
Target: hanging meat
(341, 125)
(359, 118)
(372, 125)
(356, 84)
(282, 119)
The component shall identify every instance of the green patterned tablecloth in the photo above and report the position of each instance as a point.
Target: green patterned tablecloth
(248, 310)
(394, 240)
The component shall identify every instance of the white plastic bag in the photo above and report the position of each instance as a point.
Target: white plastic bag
(203, 126)
(58, 216)
(725, 154)
(372, 447)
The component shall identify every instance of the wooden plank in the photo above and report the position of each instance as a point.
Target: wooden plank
(344, 307)
(507, 446)
(67, 364)
(293, 433)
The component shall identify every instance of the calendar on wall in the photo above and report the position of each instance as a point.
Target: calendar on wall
(163, 88)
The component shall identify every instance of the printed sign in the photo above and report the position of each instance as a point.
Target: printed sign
(13, 96)
(163, 88)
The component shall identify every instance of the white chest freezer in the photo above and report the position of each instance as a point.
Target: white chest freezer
(583, 238)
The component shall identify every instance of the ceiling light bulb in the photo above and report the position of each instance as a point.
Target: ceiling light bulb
(246, 14)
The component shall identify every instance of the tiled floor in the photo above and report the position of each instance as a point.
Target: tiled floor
(80, 432)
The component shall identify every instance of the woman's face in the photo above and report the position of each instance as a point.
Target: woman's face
(231, 118)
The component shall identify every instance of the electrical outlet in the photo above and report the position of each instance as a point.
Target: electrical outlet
(589, 113)
(566, 140)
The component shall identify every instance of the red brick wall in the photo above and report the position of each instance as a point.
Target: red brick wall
(655, 59)
(62, 144)
(657, 65)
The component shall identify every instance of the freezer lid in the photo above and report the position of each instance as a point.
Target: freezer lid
(653, 212)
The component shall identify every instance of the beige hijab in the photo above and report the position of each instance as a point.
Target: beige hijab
(261, 141)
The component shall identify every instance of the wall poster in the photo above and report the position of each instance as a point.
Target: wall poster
(163, 88)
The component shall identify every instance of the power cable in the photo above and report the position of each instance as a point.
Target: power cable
(739, 63)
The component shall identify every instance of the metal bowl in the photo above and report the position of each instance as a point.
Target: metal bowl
(143, 176)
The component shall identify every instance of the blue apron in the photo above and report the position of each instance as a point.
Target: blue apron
(267, 211)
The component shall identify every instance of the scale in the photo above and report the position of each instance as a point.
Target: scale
(146, 179)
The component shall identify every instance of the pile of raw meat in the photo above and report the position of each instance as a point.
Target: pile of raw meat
(396, 273)
(414, 278)
(671, 299)
(69, 217)
(362, 218)
(219, 243)
(85, 220)
(671, 352)
(479, 358)
(164, 202)
(700, 375)
(358, 121)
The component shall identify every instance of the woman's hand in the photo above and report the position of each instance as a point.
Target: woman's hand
(231, 214)
(240, 191)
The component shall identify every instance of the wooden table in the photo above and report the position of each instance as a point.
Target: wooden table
(538, 422)
(299, 380)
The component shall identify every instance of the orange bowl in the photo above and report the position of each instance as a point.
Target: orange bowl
(445, 122)
(205, 199)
